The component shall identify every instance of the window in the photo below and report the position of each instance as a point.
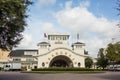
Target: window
(35, 67)
(29, 59)
(63, 37)
(16, 59)
(43, 64)
(30, 52)
(78, 46)
(43, 46)
(79, 64)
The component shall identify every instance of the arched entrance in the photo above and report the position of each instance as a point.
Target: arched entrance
(61, 61)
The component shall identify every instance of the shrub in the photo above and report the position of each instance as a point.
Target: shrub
(65, 69)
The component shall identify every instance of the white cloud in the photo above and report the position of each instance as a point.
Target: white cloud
(48, 27)
(80, 19)
(45, 2)
(27, 42)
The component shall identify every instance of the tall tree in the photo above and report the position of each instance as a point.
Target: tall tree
(102, 61)
(88, 62)
(13, 14)
(113, 52)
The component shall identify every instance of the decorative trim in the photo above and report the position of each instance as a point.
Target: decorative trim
(65, 49)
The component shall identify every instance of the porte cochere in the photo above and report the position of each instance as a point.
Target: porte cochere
(55, 51)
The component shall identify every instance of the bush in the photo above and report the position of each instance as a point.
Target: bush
(65, 69)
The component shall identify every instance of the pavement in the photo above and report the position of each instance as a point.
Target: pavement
(59, 76)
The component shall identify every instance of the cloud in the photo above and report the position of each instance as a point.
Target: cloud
(48, 27)
(41, 3)
(94, 30)
(27, 42)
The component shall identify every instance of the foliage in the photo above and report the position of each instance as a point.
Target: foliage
(88, 62)
(102, 61)
(113, 52)
(12, 22)
(65, 69)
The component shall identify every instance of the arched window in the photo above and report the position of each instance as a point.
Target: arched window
(43, 64)
(79, 64)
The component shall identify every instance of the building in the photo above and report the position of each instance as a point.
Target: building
(3, 57)
(27, 58)
(54, 51)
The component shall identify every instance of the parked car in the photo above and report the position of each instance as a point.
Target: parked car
(12, 67)
(114, 68)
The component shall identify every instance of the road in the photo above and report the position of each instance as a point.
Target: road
(59, 76)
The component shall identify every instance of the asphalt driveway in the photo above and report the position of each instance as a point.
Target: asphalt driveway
(59, 76)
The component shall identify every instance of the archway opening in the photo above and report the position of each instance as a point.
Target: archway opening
(61, 61)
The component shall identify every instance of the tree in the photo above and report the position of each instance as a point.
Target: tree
(88, 62)
(113, 52)
(13, 14)
(102, 61)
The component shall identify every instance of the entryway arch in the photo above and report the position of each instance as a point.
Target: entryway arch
(61, 61)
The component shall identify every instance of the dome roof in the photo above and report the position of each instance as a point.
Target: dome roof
(43, 43)
(78, 43)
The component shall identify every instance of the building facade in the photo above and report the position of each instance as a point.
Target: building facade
(27, 58)
(55, 51)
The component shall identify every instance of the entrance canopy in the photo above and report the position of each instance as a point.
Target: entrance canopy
(61, 61)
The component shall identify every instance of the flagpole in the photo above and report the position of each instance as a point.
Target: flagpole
(77, 37)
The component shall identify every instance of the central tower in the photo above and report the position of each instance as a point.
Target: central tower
(58, 40)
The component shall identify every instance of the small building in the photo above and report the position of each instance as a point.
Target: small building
(27, 58)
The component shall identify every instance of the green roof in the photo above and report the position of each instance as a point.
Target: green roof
(20, 53)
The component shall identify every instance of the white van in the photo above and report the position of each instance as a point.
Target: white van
(114, 68)
(12, 67)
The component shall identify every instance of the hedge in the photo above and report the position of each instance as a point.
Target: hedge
(65, 69)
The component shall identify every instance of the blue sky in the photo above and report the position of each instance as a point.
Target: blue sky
(94, 20)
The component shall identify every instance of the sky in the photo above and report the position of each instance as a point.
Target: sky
(94, 20)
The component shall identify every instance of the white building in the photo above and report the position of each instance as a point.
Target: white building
(27, 58)
(55, 51)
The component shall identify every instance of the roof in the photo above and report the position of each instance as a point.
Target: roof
(20, 53)
(46, 43)
(54, 34)
(78, 43)
(43, 43)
